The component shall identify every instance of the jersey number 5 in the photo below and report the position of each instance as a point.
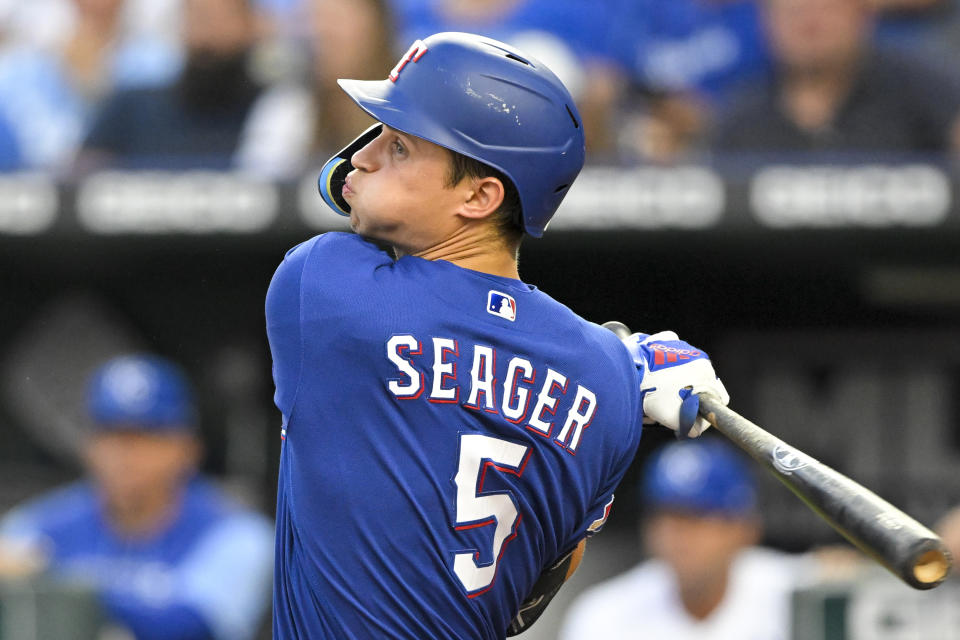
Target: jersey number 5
(478, 453)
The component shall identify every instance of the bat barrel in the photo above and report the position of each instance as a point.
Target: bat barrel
(910, 550)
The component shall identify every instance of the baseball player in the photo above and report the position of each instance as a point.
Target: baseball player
(451, 434)
(169, 554)
(705, 580)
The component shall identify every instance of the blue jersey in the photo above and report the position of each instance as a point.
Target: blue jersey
(206, 575)
(448, 435)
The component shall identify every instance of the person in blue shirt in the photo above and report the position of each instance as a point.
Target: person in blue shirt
(839, 94)
(11, 157)
(680, 60)
(170, 555)
(200, 118)
(704, 575)
(705, 47)
(451, 434)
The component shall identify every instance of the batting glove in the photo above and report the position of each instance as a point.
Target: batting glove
(672, 374)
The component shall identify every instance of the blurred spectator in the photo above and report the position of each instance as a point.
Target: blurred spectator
(569, 36)
(948, 528)
(703, 47)
(349, 40)
(10, 156)
(705, 580)
(145, 49)
(170, 555)
(945, 31)
(834, 91)
(912, 23)
(680, 60)
(61, 57)
(212, 116)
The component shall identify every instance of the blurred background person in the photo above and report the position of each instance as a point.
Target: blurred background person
(834, 90)
(680, 59)
(217, 113)
(170, 556)
(705, 578)
(11, 157)
(306, 118)
(948, 528)
(60, 58)
(348, 40)
(566, 35)
(917, 23)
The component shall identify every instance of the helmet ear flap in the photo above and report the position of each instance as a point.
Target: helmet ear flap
(334, 172)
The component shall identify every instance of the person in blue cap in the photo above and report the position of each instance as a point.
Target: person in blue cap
(705, 579)
(170, 556)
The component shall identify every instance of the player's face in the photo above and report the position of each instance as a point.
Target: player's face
(398, 192)
(136, 469)
(698, 547)
(812, 35)
(218, 26)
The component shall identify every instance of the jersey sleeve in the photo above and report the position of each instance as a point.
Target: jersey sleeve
(22, 537)
(227, 578)
(175, 622)
(627, 430)
(29, 525)
(19, 524)
(321, 272)
(283, 326)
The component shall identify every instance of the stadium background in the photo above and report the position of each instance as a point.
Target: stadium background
(826, 290)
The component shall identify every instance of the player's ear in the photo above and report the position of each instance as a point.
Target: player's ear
(483, 197)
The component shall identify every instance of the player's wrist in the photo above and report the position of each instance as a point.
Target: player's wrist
(672, 375)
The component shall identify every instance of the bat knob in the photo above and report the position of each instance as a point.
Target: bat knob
(618, 328)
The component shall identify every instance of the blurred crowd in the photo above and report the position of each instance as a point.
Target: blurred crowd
(251, 84)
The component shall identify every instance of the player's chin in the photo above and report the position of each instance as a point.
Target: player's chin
(358, 224)
(356, 217)
(361, 221)
(375, 233)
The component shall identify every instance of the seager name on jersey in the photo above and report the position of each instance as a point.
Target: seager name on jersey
(522, 394)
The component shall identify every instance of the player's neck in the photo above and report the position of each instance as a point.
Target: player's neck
(143, 517)
(475, 249)
(702, 599)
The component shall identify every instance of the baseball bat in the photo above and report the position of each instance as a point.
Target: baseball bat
(911, 551)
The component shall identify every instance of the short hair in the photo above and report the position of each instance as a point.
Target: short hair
(508, 216)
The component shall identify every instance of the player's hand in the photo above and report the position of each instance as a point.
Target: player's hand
(672, 374)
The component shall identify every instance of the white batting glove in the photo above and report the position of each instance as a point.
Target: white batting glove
(673, 373)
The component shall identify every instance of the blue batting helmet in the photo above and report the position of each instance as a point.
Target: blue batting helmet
(481, 98)
(140, 392)
(700, 476)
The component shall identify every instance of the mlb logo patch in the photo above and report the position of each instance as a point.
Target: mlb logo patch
(502, 305)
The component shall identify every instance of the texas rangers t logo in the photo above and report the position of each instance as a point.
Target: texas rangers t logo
(414, 53)
(500, 304)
